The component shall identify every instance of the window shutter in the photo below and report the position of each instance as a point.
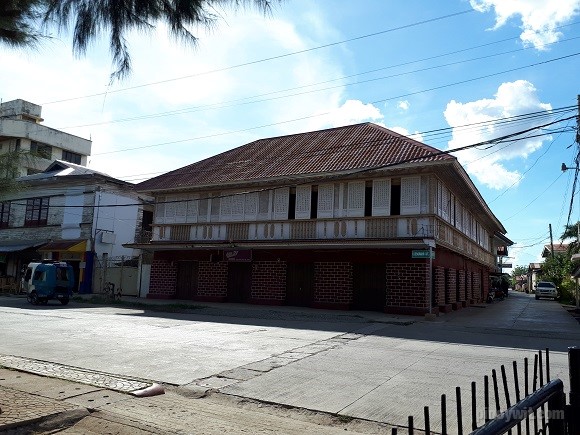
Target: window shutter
(203, 210)
(439, 199)
(281, 198)
(180, 208)
(251, 206)
(410, 195)
(381, 197)
(225, 208)
(192, 208)
(170, 209)
(325, 200)
(303, 194)
(356, 199)
(237, 205)
(445, 203)
(264, 205)
(214, 204)
(160, 210)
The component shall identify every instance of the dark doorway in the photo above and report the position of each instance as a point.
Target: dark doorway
(299, 284)
(239, 282)
(395, 200)
(369, 286)
(187, 273)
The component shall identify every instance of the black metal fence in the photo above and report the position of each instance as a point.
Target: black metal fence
(536, 407)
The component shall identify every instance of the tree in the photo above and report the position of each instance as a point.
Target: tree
(18, 22)
(517, 272)
(89, 19)
(557, 269)
(571, 232)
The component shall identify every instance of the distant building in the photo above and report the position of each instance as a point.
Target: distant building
(558, 248)
(21, 130)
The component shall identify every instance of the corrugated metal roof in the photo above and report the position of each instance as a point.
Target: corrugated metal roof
(325, 151)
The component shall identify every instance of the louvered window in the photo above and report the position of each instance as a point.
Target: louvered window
(251, 206)
(381, 197)
(303, 194)
(410, 195)
(356, 199)
(325, 200)
(445, 203)
(215, 205)
(281, 199)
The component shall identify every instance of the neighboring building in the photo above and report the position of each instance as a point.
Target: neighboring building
(337, 218)
(559, 248)
(20, 130)
(70, 213)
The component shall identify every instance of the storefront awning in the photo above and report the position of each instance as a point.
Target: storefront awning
(65, 246)
(19, 245)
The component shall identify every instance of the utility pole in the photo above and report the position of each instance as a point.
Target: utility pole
(551, 240)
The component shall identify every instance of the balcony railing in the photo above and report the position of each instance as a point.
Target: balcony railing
(389, 228)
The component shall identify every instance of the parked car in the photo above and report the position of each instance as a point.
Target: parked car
(546, 289)
(48, 280)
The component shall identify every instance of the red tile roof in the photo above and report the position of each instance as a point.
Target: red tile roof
(333, 150)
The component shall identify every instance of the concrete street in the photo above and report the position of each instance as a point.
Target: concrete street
(366, 365)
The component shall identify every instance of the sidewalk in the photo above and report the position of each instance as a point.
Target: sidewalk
(35, 404)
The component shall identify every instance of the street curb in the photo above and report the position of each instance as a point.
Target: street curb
(48, 422)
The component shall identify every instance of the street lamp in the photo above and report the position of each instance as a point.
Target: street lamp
(565, 168)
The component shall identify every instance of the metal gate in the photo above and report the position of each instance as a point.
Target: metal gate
(122, 271)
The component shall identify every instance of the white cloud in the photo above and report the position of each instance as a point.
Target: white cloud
(352, 112)
(540, 18)
(404, 105)
(487, 165)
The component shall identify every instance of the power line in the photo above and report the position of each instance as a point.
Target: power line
(258, 98)
(280, 56)
(343, 175)
(330, 112)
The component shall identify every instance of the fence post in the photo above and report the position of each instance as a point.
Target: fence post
(573, 411)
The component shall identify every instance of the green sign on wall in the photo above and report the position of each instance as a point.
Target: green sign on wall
(421, 253)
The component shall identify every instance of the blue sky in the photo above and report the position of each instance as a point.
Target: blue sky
(413, 66)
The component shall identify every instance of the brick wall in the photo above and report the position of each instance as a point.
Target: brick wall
(213, 279)
(451, 286)
(163, 279)
(439, 285)
(477, 286)
(469, 284)
(406, 285)
(462, 284)
(269, 280)
(333, 283)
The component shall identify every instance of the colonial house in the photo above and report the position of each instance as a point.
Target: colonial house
(37, 145)
(352, 217)
(69, 213)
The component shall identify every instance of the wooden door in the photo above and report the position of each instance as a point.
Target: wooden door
(300, 284)
(369, 286)
(187, 279)
(239, 282)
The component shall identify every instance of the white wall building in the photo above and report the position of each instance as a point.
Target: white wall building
(21, 130)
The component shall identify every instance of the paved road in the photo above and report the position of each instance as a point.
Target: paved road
(349, 363)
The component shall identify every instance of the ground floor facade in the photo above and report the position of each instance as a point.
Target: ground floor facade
(388, 280)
